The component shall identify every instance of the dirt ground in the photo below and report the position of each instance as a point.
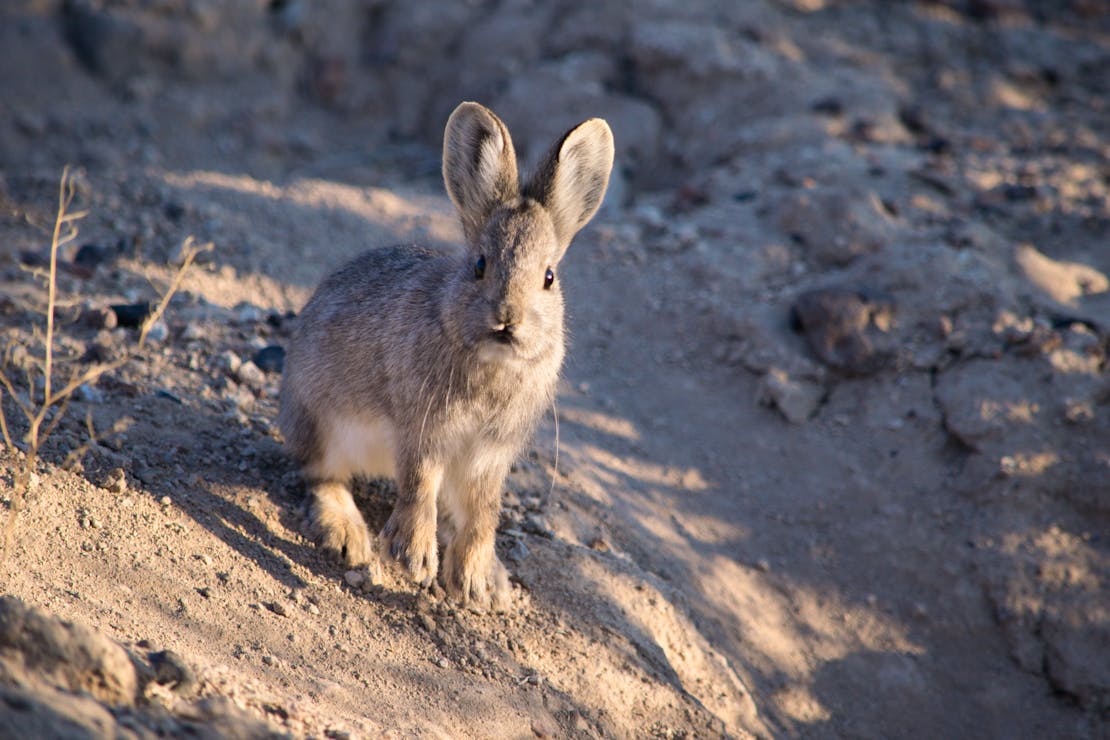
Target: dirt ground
(832, 450)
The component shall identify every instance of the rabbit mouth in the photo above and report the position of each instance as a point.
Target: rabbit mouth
(499, 347)
(503, 336)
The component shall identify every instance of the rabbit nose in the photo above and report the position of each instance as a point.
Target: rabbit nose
(506, 319)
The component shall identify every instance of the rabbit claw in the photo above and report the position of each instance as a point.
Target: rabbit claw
(416, 554)
(337, 525)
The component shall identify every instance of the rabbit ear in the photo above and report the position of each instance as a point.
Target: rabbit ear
(479, 165)
(570, 181)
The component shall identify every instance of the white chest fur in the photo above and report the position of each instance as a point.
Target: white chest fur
(359, 446)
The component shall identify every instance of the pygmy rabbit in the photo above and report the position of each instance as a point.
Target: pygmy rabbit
(434, 368)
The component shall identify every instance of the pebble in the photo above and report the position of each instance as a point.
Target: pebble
(98, 317)
(518, 552)
(270, 359)
(246, 313)
(92, 255)
(600, 544)
(130, 315)
(170, 669)
(650, 215)
(537, 525)
(441, 662)
(192, 332)
(427, 622)
(229, 362)
(354, 578)
(277, 608)
(158, 331)
(165, 501)
(249, 374)
(89, 393)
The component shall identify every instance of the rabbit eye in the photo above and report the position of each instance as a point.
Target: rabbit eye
(480, 267)
(548, 278)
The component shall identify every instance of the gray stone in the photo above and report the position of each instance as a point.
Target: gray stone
(845, 328)
(249, 374)
(797, 399)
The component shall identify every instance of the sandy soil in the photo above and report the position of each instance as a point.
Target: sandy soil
(832, 443)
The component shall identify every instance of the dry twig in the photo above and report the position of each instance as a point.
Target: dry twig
(43, 417)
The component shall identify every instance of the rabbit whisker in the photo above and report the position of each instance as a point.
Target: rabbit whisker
(555, 467)
(420, 438)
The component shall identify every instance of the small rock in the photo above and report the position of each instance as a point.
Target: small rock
(650, 215)
(843, 328)
(277, 608)
(33, 258)
(163, 393)
(354, 578)
(98, 317)
(797, 400)
(246, 313)
(229, 362)
(171, 670)
(116, 482)
(158, 332)
(192, 332)
(518, 552)
(427, 622)
(131, 315)
(174, 211)
(89, 393)
(94, 255)
(441, 662)
(828, 106)
(534, 524)
(249, 374)
(165, 501)
(270, 359)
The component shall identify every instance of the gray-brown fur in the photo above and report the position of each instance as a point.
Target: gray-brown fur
(407, 364)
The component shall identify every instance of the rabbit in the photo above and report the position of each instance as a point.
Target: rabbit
(435, 368)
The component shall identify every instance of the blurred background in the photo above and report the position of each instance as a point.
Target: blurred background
(838, 387)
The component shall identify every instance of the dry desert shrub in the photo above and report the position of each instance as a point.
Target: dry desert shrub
(29, 370)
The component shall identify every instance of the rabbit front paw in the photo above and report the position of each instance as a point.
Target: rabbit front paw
(338, 526)
(480, 584)
(412, 543)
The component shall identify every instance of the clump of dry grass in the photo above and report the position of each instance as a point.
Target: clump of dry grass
(40, 398)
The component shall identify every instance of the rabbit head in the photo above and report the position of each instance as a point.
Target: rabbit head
(509, 304)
